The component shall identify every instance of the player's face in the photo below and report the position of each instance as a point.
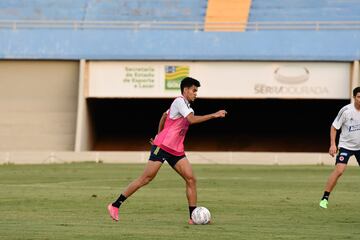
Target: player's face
(190, 93)
(357, 100)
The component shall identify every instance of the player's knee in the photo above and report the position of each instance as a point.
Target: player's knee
(145, 180)
(191, 180)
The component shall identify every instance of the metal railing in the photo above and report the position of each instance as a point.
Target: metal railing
(179, 25)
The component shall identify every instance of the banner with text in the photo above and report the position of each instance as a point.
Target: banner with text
(313, 80)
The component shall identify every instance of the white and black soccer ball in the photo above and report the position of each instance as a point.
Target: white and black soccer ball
(201, 215)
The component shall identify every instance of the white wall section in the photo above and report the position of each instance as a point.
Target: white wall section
(304, 80)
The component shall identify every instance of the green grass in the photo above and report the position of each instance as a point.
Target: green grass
(68, 201)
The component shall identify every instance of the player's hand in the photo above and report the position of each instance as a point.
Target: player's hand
(220, 114)
(332, 150)
(151, 141)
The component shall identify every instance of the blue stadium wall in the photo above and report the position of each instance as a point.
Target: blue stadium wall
(324, 45)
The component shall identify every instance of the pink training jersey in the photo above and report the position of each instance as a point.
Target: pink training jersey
(171, 138)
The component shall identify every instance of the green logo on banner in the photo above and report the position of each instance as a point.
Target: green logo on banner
(174, 75)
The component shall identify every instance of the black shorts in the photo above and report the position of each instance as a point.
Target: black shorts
(344, 155)
(157, 154)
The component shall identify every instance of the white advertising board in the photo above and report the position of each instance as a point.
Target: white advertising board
(304, 80)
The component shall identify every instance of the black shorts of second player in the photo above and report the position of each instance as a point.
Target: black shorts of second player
(344, 155)
(157, 154)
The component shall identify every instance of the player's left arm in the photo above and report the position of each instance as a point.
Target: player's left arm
(193, 119)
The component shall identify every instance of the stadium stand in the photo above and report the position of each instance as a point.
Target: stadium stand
(89, 29)
(93, 10)
(304, 10)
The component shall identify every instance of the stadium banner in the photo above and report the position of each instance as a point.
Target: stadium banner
(303, 80)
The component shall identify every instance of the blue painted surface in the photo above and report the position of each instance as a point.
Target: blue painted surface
(304, 10)
(180, 45)
(104, 10)
(175, 45)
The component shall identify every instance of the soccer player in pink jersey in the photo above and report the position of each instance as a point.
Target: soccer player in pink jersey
(168, 145)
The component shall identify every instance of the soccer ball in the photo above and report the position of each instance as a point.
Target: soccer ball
(201, 215)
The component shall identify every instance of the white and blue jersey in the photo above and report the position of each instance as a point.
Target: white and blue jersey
(348, 119)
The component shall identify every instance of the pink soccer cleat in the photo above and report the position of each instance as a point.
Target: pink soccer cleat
(113, 212)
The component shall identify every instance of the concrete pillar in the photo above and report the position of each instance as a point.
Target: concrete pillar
(84, 134)
(355, 78)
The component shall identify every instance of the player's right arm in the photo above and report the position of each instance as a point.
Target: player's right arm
(162, 122)
(336, 125)
(193, 119)
(333, 148)
(161, 126)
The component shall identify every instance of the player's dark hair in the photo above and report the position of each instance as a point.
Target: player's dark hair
(188, 82)
(356, 91)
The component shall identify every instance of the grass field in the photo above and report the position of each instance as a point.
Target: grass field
(68, 201)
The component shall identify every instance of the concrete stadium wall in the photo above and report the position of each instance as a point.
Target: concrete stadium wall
(38, 105)
(117, 44)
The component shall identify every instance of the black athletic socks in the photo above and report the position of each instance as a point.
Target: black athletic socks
(191, 209)
(326, 195)
(119, 201)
